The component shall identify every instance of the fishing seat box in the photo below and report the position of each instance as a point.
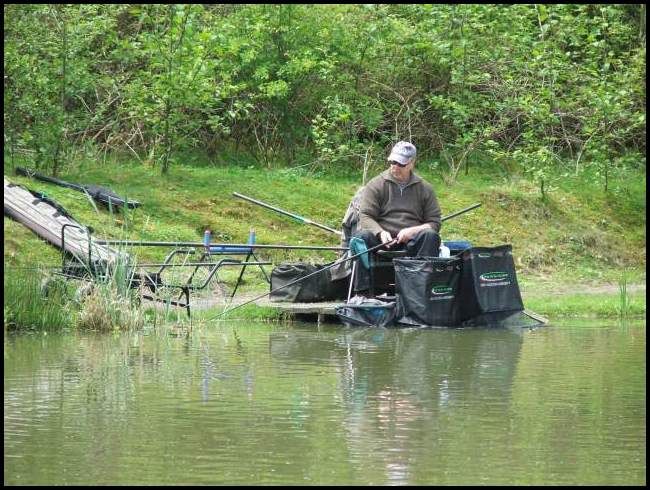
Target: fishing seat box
(382, 271)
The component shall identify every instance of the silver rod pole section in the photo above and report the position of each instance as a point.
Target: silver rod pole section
(203, 263)
(135, 243)
(354, 269)
(287, 213)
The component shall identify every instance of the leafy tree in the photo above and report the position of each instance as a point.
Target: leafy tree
(553, 88)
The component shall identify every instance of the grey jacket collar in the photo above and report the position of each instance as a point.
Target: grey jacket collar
(388, 176)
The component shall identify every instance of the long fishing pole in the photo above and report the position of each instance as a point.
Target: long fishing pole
(235, 246)
(216, 247)
(338, 262)
(301, 219)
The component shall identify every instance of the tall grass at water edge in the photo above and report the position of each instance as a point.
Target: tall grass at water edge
(624, 298)
(28, 306)
(110, 303)
(40, 301)
(34, 298)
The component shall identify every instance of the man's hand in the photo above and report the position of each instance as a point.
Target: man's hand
(406, 234)
(385, 237)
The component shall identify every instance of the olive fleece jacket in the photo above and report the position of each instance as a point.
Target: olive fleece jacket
(385, 207)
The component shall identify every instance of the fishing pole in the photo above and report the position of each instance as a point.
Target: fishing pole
(200, 264)
(310, 222)
(338, 262)
(216, 247)
(301, 219)
(225, 247)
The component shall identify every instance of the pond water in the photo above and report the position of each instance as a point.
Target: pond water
(300, 404)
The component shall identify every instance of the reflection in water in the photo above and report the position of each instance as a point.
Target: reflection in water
(277, 404)
(395, 383)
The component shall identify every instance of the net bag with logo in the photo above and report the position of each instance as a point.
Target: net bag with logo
(489, 285)
(427, 289)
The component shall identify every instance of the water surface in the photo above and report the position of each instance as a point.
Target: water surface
(300, 404)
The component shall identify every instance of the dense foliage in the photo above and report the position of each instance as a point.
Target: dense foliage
(541, 86)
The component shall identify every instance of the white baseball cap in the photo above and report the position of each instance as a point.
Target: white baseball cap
(402, 153)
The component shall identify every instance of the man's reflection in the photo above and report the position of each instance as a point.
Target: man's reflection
(401, 388)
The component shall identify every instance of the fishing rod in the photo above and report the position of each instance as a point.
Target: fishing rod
(225, 247)
(200, 264)
(338, 262)
(99, 194)
(310, 222)
(216, 247)
(301, 219)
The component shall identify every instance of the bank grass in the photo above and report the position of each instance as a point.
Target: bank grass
(34, 300)
(576, 232)
(249, 312)
(578, 235)
(589, 305)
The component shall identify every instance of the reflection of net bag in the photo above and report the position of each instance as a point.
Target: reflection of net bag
(427, 288)
(319, 287)
(489, 283)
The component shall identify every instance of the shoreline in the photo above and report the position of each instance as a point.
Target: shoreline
(547, 301)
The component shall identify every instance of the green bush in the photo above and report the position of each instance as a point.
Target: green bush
(545, 86)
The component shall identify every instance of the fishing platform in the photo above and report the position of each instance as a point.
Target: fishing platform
(324, 311)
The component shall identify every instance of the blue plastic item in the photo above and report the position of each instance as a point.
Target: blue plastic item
(358, 246)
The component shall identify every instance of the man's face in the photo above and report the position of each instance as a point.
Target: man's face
(401, 173)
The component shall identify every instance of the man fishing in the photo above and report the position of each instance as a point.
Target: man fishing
(399, 209)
